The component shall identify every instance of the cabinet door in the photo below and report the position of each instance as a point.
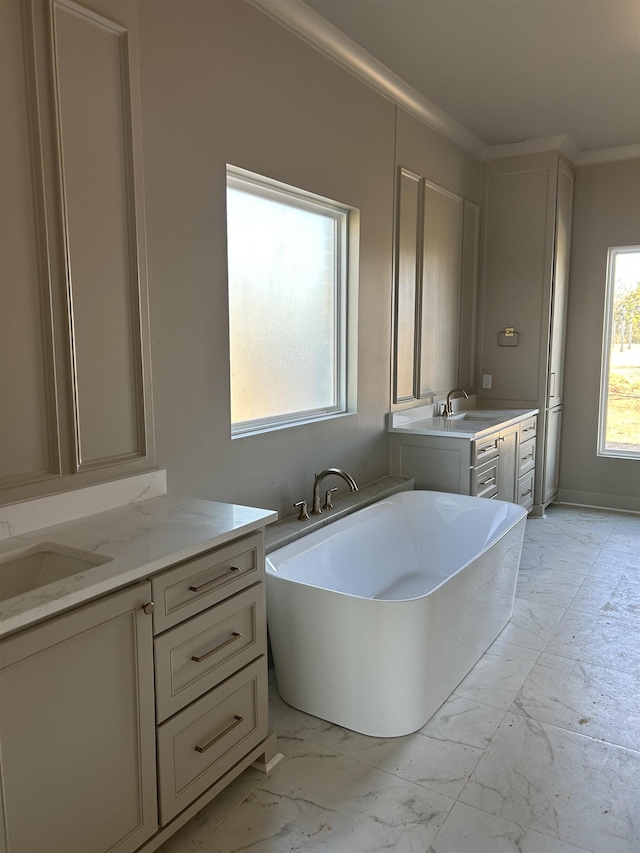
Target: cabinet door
(29, 449)
(507, 473)
(552, 454)
(519, 211)
(560, 291)
(407, 285)
(77, 730)
(440, 300)
(73, 292)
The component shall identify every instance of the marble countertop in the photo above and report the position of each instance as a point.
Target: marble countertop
(470, 424)
(141, 539)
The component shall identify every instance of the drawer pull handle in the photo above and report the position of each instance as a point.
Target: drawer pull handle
(236, 722)
(231, 639)
(528, 492)
(528, 456)
(487, 449)
(202, 586)
(487, 482)
(528, 429)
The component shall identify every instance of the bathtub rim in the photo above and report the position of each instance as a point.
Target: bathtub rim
(271, 571)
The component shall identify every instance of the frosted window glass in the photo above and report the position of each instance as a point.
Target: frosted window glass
(285, 308)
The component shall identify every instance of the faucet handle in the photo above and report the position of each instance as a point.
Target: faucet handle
(304, 513)
(328, 503)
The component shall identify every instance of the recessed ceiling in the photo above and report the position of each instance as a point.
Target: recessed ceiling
(511, 70)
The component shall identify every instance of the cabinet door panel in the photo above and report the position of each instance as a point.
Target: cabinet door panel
(507, 478)
(469, 293)
(198, 654)
(407, 285)
(203, 741)
(440, 308)
(560, 285)
(552, 454)
(28, 430)
(517, 271)
(74, 360)
(526, 456)
(525, 489)
(95, 129)
(77, 730)
(485, 479)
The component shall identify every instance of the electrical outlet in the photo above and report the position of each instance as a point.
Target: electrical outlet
(486, 380)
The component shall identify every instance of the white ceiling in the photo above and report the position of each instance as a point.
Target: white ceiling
(511, 70)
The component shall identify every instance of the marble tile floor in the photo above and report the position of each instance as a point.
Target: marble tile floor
(536, 751)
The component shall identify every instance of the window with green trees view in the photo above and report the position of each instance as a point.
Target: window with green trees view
(619, 430)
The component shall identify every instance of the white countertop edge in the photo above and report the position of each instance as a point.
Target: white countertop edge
(463, 427)
(196, 526)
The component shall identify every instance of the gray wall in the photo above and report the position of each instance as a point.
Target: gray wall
(434, 157)
(222, 82)
(606, 213)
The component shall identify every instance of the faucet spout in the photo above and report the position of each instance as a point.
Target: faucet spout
(317, 509)
(448, 409)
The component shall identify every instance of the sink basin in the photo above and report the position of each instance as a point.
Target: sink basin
(474, 415)
(30, 568)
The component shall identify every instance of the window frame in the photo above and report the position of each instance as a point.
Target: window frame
(346, 226)
(605, 368)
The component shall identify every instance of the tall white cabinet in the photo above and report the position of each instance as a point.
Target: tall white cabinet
(435, 283)
(524, 269)
(73, 268)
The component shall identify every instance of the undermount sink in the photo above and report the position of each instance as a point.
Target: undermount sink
(30, 568)
(474, 415)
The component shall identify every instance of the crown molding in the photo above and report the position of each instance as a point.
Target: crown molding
(302, 20)
(607, 155)
(564, 144)
(306, 23)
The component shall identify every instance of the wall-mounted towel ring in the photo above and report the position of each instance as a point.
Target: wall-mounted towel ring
(508, 337)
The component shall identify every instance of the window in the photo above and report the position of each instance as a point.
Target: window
(619, 428)
(288, 260)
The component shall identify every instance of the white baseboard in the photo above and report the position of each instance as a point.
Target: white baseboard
(599, 500)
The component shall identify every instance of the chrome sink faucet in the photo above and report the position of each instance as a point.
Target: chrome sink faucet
(447, 412)
(317, 509)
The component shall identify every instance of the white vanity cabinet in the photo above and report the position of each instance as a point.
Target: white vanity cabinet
(77, 730)
(120, 719)
(497, 463)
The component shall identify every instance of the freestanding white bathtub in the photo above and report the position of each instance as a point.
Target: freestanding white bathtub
(377, 617)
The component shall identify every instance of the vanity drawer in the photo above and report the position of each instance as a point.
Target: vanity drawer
(486, 448)
(196, 655)
(192, 586)
(527, 429)
(485, 480)
(526, 456)
(525, 490)
(202, 742)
